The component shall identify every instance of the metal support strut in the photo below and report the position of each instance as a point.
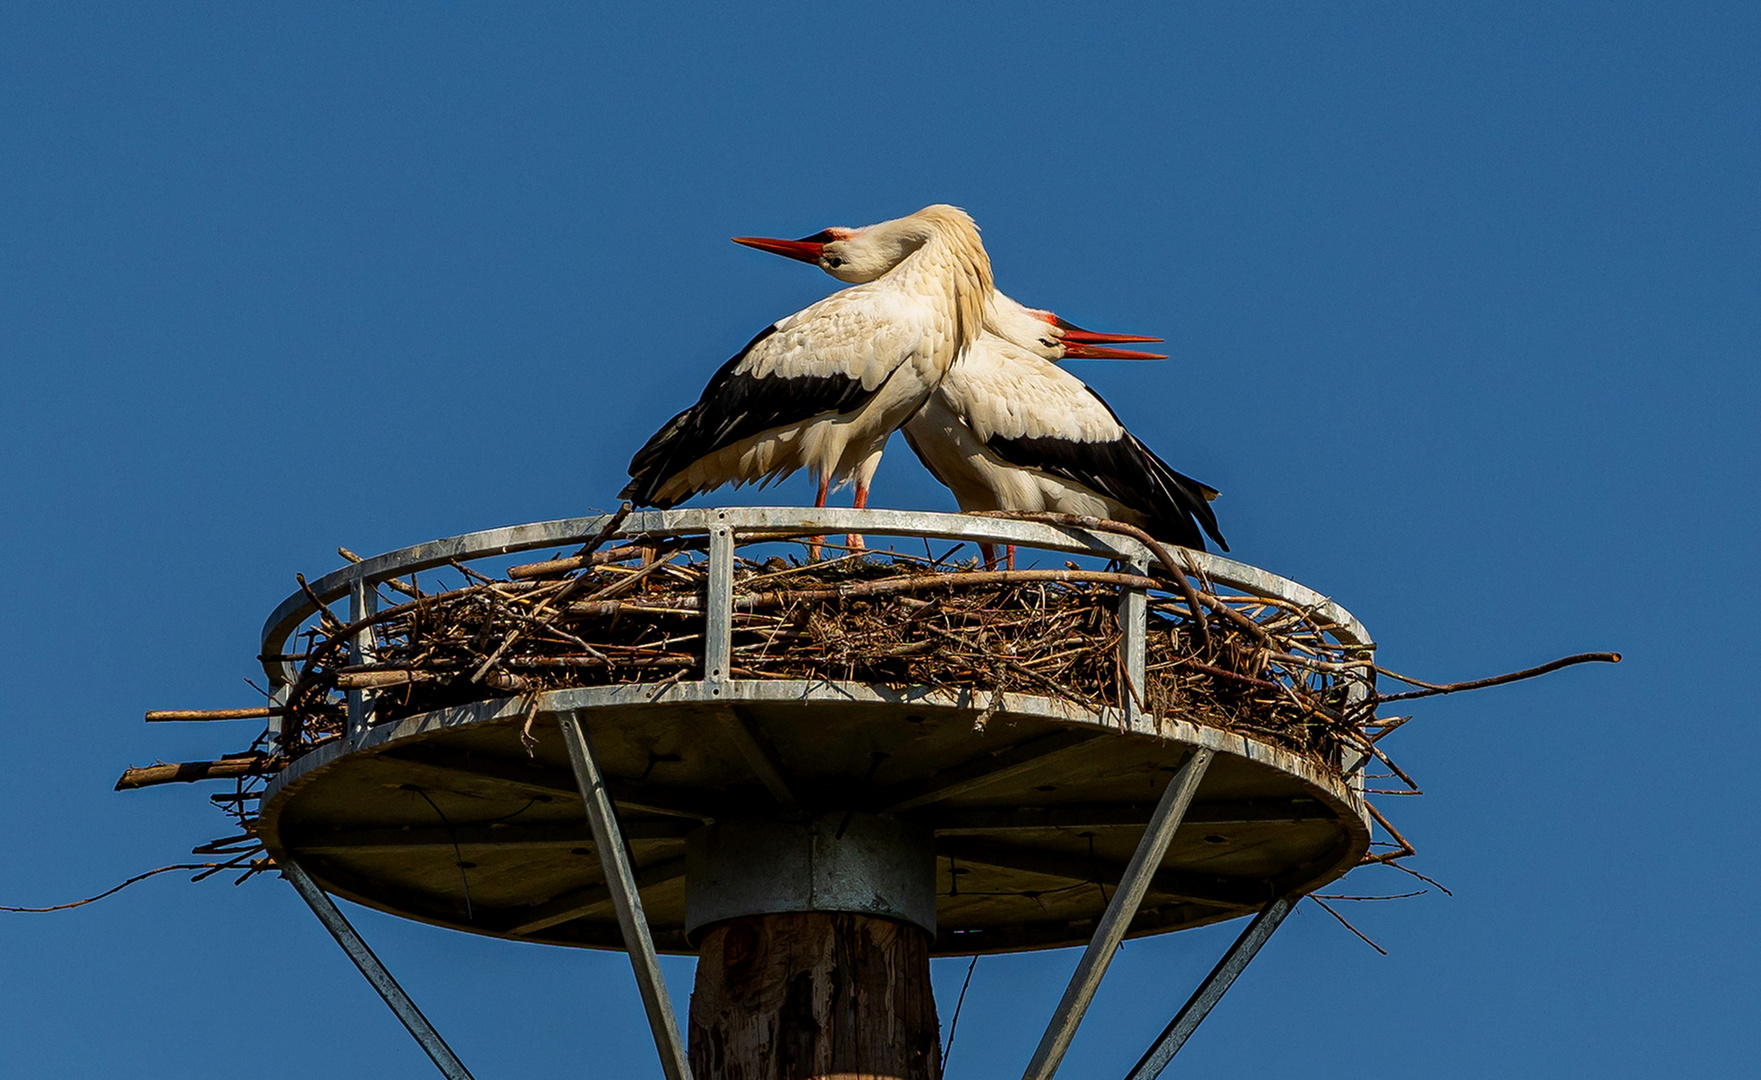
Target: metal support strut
(1211, 991)
(1145, 861)
(352, 943)
(620, 878)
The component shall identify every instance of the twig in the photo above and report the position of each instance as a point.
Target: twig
(1406, 847)
(559, 567)
(605, 532)
(1389, 896)
(260, 712)
(922, 582)
(1403, 868)
(113, 889)
(954, 1024)
(325, 616)
(397, 584)
(1342, 922)
(1432, 690)
(190, 771)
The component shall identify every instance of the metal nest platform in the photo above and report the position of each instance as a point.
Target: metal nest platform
(1029, 806)
(878, 758)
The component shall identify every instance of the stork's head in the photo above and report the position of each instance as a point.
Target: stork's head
(829, 249)
(863, 254)
(1046, 335)
(851, 255)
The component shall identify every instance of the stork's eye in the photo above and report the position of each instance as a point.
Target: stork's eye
(834, 262)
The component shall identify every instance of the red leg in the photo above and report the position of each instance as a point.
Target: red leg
(1011, 556)
(989, 553)
(813, 542)
(854, 540)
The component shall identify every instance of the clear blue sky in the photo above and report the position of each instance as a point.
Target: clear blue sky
(1464, 303)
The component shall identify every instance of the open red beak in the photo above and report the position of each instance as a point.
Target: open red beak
(1076, 350)
(1080, 344)
(806, 250)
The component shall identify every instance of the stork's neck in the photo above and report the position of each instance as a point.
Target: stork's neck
(952, 261)
(1014, 321)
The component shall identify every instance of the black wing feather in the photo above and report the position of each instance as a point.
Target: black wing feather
(1127, 471)
(735, 406)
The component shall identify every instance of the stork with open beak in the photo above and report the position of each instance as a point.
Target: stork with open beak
(824, 388)
(1007, 429)
(1010, 430)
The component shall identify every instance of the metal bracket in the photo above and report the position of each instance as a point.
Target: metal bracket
(620, 878)
(353, 944)
(278, 699)
(1133, 643)
(363, 601)
(1211, 991)
(718, 609)
(1145, 861)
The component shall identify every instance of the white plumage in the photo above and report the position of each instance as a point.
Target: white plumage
(824, 388)
(1007, 429)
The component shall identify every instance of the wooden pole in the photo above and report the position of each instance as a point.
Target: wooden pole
(814, 995)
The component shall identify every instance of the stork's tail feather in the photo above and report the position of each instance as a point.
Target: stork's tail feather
(653, 464)
(1182, 500)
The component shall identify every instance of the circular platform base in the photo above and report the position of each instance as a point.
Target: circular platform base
(470, 818)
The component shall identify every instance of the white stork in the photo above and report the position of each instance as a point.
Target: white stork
(824, 388)
(1008, 429)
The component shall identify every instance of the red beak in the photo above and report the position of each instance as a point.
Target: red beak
(1080, 351)
(806, 250)
(1080, 344)
(1072, 332)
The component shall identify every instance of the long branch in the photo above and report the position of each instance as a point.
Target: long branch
(1432, 690)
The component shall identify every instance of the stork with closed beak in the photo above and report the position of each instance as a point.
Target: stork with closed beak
(824, 388)
(1007, 429)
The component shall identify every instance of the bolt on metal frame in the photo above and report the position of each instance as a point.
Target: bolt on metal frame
(725, 529)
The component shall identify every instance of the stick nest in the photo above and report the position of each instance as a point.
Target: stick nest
(1261, 667)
